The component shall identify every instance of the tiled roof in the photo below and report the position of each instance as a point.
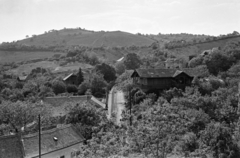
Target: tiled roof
(66, 136)
(11, 147)
(163, 73)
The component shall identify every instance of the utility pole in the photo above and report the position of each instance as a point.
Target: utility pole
(106, 99)
(130, 102)
(39, 130)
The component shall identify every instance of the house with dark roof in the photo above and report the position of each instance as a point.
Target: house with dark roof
(155, 80)
(60, 142)
(70, 79)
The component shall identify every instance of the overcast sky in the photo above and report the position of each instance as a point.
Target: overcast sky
(19, 18)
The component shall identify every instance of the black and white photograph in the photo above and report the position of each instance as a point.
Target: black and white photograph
(119, 79)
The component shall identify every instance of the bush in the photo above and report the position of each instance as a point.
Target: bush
(72, 88)
(218, 62)
(120, 68)
(108, 72)
(58, 87)
(195, 62)
(71, 54)
(188, 143)
(83, 87)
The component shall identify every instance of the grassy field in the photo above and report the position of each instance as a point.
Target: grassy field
(52, 66)
(6, 56)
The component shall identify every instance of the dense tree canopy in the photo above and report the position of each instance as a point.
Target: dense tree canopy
(19, 114)
(80, 77)
(218, 62)
(120, 68)
(58, 86)
(96, 84)
(109, 73)
(132, 61)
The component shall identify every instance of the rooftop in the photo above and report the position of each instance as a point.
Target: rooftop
(164, 73)
(65, 78)
(52, 140)
(11, 147)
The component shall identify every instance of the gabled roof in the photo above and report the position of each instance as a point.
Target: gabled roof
(11, 147)
(178, 72)
(65, 78)
(159, 73)
(51, 140)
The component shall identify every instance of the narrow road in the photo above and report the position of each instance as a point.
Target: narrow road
(116, 103)
(120, 101)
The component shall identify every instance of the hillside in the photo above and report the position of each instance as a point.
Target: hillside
(21, 56)
(164, 38)
(69, 37)
(106, 46)
(196, 49)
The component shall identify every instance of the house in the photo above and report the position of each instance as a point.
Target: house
(22, 78)
(60, 142)
(155, 80)
(70, 79)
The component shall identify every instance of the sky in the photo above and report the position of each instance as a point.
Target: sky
(19, 18)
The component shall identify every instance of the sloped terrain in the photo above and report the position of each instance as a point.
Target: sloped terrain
(196, 49)
(176, 37)
(87, 38)
(54, 67)
(19, 56)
